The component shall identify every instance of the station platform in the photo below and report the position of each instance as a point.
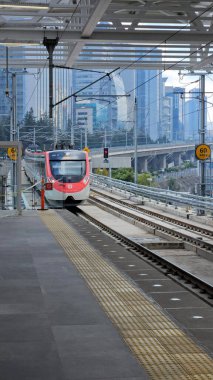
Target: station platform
(51, 326)
(67, 313)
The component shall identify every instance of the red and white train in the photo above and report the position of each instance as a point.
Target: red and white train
(66, 170)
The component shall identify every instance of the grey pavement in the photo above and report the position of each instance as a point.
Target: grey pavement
(51, 326)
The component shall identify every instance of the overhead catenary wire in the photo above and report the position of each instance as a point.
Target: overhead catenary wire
(169, 37)
(162, 71)
(69, 20)
(75, 68)
(159, 45)
(77, 92)
(36, 86)
(131, 113)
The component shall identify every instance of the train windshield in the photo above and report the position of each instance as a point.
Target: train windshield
(68, 170)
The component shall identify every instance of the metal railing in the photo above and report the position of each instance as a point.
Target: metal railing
(161, 195)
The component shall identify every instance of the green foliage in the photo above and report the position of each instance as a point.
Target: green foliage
(127, 174)
(4, 128)
(173, 169)
(103, 171)
(145, 179)
(188, 164)
(173, 185)
(29, 118)
(43, 121)
(43, 130)
(123, 174)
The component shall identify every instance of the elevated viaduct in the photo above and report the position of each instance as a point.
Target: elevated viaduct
(150, 157)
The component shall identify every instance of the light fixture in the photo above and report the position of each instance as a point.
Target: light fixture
(126, 23)
(23, 6)
(17, 44)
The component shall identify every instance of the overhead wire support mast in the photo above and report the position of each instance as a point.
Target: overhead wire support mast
(202, 135)
(50, 45)
(202, 132)
(77, 92)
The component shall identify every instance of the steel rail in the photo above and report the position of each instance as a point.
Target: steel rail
(166, 218)
(195, 241)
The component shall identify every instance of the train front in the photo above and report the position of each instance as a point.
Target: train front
(68, 170)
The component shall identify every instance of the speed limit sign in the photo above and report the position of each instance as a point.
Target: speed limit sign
(12, 153)
(202, 151)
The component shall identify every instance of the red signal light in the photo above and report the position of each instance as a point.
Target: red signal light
(106, 152)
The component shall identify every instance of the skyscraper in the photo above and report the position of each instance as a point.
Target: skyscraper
(87, 116)
(177, 96)
(5, 104)
(149, 92)
(192, 109)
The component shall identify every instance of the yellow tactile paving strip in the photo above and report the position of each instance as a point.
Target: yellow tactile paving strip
(160, 346)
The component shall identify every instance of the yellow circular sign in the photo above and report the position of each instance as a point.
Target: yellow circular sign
(12, 153)
(202, 151)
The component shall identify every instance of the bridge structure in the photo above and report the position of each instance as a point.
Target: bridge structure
(153, 156)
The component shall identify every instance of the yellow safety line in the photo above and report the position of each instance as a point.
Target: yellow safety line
(161, 347)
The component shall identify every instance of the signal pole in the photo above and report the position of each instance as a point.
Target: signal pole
(135, 143)
(85, 138)
(202, 135)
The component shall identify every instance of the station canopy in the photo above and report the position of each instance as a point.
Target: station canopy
(108, 33)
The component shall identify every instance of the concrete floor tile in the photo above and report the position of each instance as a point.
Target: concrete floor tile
(24, 360)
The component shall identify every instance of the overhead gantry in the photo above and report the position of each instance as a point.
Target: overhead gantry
(109, 33)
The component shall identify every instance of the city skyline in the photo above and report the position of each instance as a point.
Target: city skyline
(151, 96)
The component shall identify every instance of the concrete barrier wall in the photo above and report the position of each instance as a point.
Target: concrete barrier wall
(113, 162)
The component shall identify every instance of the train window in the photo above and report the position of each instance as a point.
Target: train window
(68, 171)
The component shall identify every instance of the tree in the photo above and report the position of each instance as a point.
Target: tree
(103, 171)
(29, 118)
(5, 128)
(124, 174)
(44, 120)
(145, 179)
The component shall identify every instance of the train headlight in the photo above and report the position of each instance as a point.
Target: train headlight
(51, 180)
(85, 180)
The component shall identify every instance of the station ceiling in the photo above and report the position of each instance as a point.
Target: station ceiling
(150, 34)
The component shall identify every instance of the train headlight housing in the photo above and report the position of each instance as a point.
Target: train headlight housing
(50, 179)
(85, 180)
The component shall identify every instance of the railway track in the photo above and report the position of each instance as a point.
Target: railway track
(196, 235)
(191, 227)
(202, 289)
(190, 281)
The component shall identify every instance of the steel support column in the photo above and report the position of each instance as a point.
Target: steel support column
(202, 135)
(50, 45)
(135, 145)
